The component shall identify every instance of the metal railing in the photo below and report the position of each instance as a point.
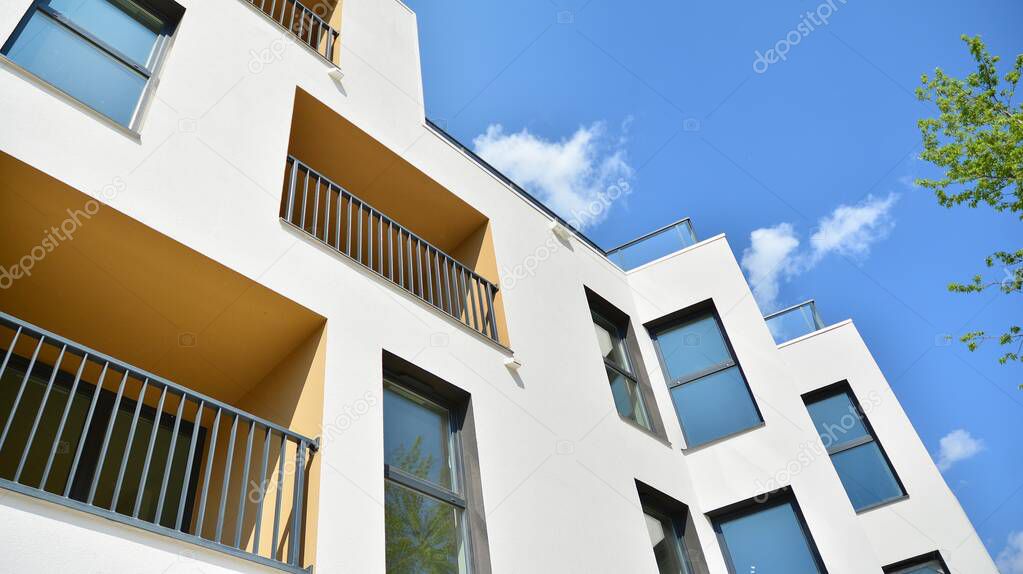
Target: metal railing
(654, 245)
(794, 322)
(304, 23)
(354, 228)
(88, 431)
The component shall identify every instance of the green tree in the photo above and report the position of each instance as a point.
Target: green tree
(977, 140)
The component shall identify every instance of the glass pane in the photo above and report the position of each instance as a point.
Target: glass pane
(65, 60)
(692, 347)
(665, 544)
(423, 535)
(714, 406)
(770, 541)
(866, 475)
(837, 420)
(932, 567)
(417, 437)
(654, 247)
(611, 345)
(122, 25)
(793, 324)
(628, 399)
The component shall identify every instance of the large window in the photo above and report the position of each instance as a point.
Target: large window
(710, 393)
(768, 537)
(862, 466)
(673, 539)
(926, 564)
(424, 496)
(103, 53)
(624, 387)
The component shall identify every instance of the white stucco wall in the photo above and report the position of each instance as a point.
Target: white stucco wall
(557, 464)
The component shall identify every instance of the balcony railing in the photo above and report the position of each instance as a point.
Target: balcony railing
(170, 469)
(794, 322)
(654, 245)
(311, 29)
(355, 229)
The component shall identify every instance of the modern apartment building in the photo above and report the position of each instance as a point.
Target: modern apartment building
(259, 314)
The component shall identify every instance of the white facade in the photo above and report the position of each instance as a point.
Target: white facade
(557, 466)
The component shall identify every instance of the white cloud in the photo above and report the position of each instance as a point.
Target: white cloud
(849, 230)
(957, 446)
(769, 258)
(578, 177)
(1010, 559)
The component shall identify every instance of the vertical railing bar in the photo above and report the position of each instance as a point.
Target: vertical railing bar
(85, 428)
(429, 274)
(326, 211)
(419, 260)
(359, 243)
(39, 414)
(63, 421)
(149, 453)
(380, 243)
(447, 284)
(21, 389)
(128, 444)
(170, 458)
(188, 466)
(245, 481)
(479, 297)
(472, 297)
(292, 184)
(280, 489)
(411, 266)
(10, 349)
(464, 293)
(301, 20)
(440, 284)
(348, 244)
(316, 208)
(291, 20)
(262, 491)
(296, 505)
(369, 237)
(401, 261)
(490, 304)
(107, 435)
(206, 478)
(337, 223)
(227, 478)
(305, 197)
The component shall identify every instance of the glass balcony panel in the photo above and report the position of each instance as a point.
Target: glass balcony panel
(653, 246)
(794, 322)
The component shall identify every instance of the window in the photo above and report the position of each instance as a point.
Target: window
(767, 537)
(862, 466)
(424, 494)
(103, 53)
(926, 564)
(47, 452)
(710, 393)
(624, 387)
(673, 539)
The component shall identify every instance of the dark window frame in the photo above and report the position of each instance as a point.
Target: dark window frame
(904, 566)
(664, 507)
(410, 378)
(707, 308)
(94, 434)
(753, 506)
(844, 388)
(612, 315)
(167, 11)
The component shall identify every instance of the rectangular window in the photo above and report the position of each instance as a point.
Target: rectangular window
(424, 497)
(927, 564)
(710, 393)
(103, 53)
(767, 537)
(49, 408)
(862, 465)
(673, 539)
(625, 388)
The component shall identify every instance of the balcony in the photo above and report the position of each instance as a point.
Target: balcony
(369, 205)
(794, 322)
(654, 245)
(316, 29)
(145, 383)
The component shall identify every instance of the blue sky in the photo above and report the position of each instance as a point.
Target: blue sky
(664, 96)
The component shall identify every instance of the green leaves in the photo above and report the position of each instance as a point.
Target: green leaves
(977, 140)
